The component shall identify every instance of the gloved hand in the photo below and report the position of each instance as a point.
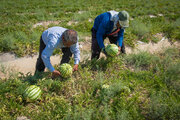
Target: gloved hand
(104, 51)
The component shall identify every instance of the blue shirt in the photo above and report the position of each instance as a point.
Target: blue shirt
(103, 25)
(52, 38)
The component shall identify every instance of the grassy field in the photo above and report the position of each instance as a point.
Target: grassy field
(139, 86)
(19, 16)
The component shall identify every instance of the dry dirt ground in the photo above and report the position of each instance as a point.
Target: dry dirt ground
(10, 64)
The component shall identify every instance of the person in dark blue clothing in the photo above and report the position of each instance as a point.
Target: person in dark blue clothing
(109, 24)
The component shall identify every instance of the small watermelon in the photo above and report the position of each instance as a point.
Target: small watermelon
(112, 50)
(32, 93)
(65, 70)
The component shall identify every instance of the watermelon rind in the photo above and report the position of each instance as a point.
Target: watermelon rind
(32, 93)
(65, 70)
(112, 50)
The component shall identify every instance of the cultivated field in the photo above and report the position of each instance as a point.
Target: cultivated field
(140, 85)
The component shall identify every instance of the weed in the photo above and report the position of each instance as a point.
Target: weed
(172, 29)
(81, 16)
(163, 107)
(154, 39)
(139, 28)
(172, 76)
(142, 60)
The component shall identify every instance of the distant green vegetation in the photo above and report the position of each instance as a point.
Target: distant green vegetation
(18, 17)
(135, 86)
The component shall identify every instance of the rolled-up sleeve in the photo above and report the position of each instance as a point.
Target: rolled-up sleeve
(47, 52)
(75, 50)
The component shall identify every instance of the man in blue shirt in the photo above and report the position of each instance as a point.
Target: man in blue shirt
(57, 37)
(109, 24)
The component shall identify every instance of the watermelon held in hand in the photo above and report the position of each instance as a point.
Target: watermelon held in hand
(32, 93)
(112, 50)
(65, 70)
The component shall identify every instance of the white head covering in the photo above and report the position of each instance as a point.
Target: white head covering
(114, 18)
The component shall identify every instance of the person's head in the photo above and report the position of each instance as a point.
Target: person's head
(123, 19)
(69, 38)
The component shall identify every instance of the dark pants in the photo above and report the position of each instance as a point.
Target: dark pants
(95, 47)
(40, 64)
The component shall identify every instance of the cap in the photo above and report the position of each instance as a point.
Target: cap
(124, 18)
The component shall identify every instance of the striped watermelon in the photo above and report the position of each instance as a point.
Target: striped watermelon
(32, 93)
(65, 70)
(112, 50)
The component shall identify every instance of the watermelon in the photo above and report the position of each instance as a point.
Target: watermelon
(105, 86)
(112, 50)
(65, 70)
(32, 93)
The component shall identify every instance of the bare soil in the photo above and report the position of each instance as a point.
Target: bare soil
(9, 63)
(46, 23)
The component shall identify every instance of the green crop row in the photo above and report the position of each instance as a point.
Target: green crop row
(18, 18)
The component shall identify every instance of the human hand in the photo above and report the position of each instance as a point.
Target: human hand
(119, 51)
(75, 68)
(55, 74)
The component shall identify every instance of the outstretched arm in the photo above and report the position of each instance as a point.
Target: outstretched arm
(47, 52)
(75, 50)
(120, 38)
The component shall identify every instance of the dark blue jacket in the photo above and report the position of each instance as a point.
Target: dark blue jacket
(103, 25)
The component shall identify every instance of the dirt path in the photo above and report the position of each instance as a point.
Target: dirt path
(9, 63)
(26, 64)
(152, 47)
